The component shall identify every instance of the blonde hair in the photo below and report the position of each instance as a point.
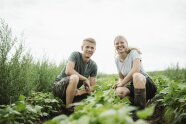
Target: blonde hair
(120, 37)
(91, 40)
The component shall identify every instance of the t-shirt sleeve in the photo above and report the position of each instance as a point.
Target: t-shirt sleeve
(117, 64)
(135, 55)
(94, 71)
(73, 56)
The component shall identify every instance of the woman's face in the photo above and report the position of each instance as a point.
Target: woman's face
(121, 45)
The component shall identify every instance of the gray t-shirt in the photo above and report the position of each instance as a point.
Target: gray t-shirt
(125, 66)
(86, 69)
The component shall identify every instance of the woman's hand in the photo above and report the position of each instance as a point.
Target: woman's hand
(118, 84)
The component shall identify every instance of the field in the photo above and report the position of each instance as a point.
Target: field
(25, 93)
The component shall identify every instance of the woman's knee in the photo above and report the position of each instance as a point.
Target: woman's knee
(121, 92)
(139, 80)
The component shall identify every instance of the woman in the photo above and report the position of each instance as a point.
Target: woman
(133, 80)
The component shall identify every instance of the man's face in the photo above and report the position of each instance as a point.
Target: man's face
(88, 49)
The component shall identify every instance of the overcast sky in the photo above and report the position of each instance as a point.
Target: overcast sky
(55, 28)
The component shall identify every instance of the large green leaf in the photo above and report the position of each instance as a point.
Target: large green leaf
(147, 112)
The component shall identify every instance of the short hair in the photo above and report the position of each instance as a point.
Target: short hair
(91, 40)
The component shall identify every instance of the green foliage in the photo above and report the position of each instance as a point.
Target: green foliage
(45, 74)
(172, 95)
(101, 107)
(19, 112)
(29, 110)
(176, 73)
(147, 112)
(14, 67)
(50, 105)
(19, 74)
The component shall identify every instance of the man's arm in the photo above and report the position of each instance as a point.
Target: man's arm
(92, 81)
(70, 70)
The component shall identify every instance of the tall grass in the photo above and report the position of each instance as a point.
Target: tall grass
(13, 65)
(19, 73)
(45, 74)
(173, 72)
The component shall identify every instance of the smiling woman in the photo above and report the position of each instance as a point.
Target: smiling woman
(133, 80)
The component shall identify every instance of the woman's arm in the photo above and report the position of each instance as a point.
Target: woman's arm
(121, 77)
(135, 68)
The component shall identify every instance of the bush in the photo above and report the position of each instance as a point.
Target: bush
(14, 66)
(19, 74)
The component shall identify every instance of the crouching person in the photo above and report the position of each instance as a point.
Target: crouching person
(133, 80)
(80, 70)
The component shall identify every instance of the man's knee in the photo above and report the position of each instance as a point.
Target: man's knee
(74, 79)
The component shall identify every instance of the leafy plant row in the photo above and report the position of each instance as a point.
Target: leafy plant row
(172, 96)
(104, 107)
(34, 109)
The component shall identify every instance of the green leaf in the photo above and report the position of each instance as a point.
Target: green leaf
(108, 113)
(84, 120)
(146, 112)
(181, 86)
(20, 106)
(31, 109)
(165, 91)
(44, 114)
(181, 100)
(54, 101)
(59, 118)
(22, 97)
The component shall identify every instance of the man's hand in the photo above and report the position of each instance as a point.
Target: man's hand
(78, 92)
(86, 84)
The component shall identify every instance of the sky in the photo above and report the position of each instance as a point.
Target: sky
(55, 28)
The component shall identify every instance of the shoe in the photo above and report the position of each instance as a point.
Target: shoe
(69, 111)
(133, 115)
(80, 97)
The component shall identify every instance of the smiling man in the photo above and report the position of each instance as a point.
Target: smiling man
(80, 70)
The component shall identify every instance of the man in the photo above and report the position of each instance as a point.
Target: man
(79, 70)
